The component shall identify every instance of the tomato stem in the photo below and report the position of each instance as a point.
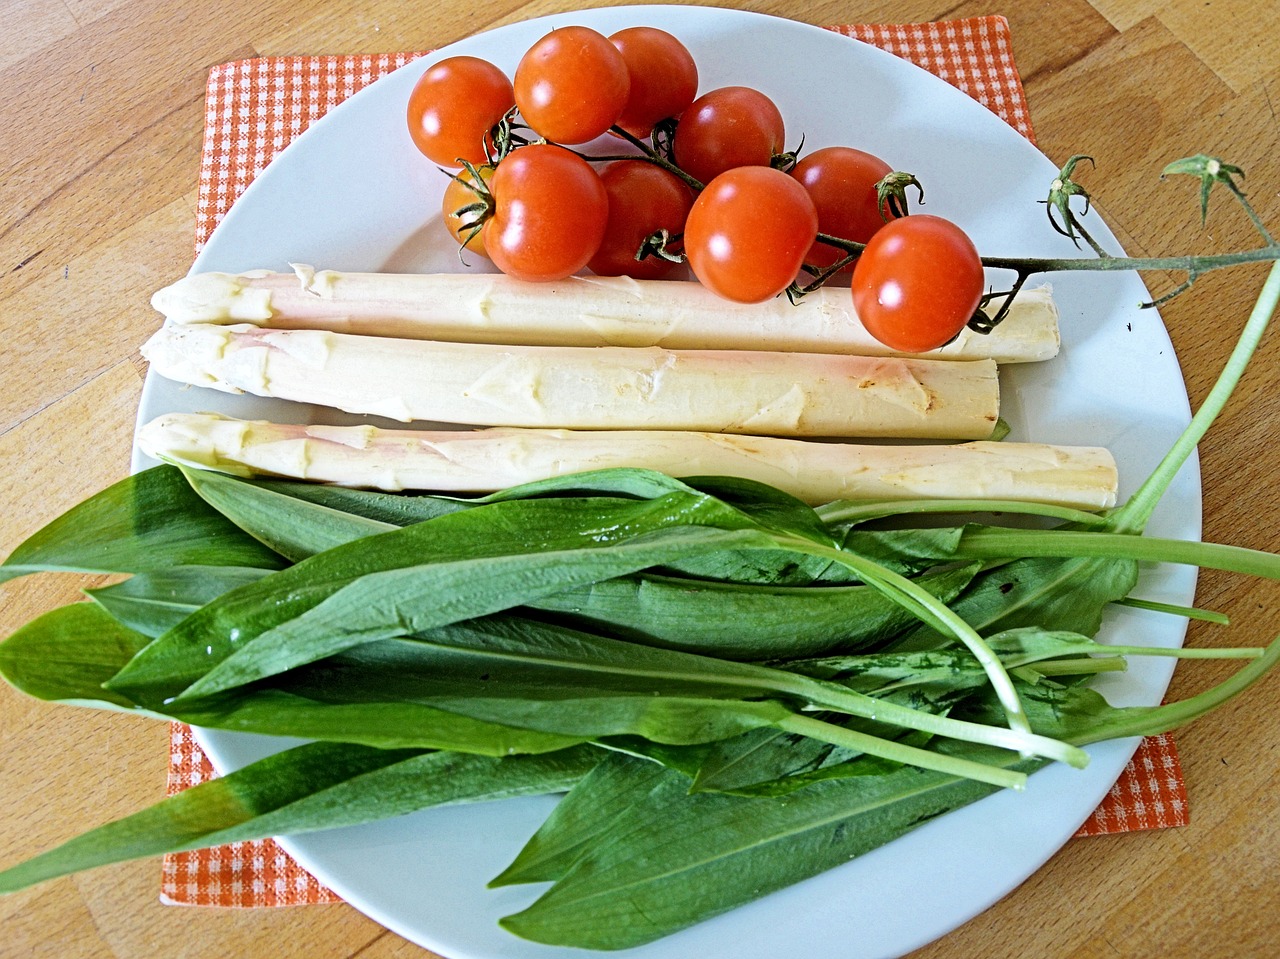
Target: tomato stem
(651, 155)
(891, 194)
(1192, 265)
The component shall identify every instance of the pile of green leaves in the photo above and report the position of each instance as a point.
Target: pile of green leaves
(735, 691)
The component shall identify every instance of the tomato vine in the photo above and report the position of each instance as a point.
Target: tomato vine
(639, 87)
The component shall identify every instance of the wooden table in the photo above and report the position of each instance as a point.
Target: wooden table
(102, 103)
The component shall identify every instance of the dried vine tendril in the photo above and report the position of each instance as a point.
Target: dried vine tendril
(1209, 170)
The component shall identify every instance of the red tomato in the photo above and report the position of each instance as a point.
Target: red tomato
(664, 77)
(549, 213)
(643, 198)
(842, 182)
(571, 85)
(748, 232)
(726, 128)
(466, 227)
(454, 105)
(917, 283)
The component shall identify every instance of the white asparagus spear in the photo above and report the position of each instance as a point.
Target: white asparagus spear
(479, 461)
(790, 394)
(579, 311)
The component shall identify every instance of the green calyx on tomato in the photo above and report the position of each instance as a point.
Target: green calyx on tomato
(891, 193)
(644, 200)
(467, 205)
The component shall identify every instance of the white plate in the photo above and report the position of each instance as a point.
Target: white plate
(352, 193)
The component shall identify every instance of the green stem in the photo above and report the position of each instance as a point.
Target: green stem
(931, 611)
(853, 513)
(1084, 666)
(1150, 721)
(834, 697)
(1190, 612)
(1072, 544)
(1197, 264)
(648, 154)
(898, 752)
(1026, 266)
(1190, 652)
(1133, 516)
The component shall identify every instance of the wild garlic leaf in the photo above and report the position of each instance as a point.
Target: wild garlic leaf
(584, 815)
(1070, 594)
(148, 521)
(744, 621)
(460, 565)
(291, 526)
(156, 601)
(66, 654)
(673, 858)
(311, 787)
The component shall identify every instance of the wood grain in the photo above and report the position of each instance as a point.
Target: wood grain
(99, 146)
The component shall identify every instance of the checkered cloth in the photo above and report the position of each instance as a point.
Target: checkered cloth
(254, 108)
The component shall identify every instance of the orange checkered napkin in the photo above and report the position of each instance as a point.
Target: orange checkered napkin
(254, 108)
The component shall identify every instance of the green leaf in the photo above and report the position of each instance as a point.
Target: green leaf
(149, 521)
(394, 509)
(157, 601)
(392, 584)
(672, 859)
(760, 756)
(385, 724)
(536, 676)
(903, 550)
(1071, 594)
(771, 508)
(291, 526)
(66, 655)
(311, 787)
(587, 812)
(763, 567)
(750, 622)
(948, 668)
(542, 677)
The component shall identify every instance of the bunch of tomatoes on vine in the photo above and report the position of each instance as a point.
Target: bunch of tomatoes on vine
(699, 179)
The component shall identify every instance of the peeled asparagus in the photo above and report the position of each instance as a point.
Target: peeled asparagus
(485, 460)
(579, 311)
(800, 394)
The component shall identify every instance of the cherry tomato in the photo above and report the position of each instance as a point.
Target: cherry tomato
(466, 227)
(454, 105)
(842, 182)
(917, 283)
(549, 213)
(664, 77)
(571, 85)
(726, 128)
(643, 198)
(748, 232)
